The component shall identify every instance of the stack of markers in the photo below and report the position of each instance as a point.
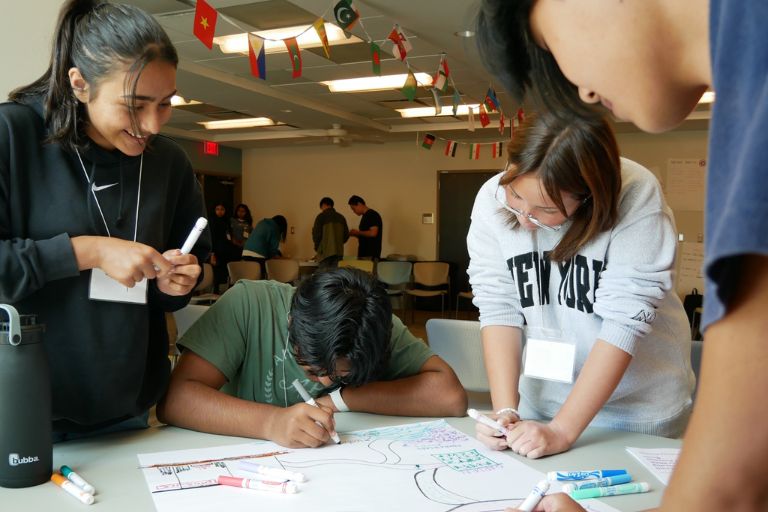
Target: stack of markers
(74, 484)
(266, 478)
(598, 483)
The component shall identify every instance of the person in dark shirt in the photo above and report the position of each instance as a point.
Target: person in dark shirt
(370, 230)
(329, 234)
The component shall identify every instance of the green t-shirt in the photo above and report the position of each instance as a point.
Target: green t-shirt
(244, 335)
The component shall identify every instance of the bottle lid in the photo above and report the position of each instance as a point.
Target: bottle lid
(15, 324)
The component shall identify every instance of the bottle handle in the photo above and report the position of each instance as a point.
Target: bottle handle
(14, 328)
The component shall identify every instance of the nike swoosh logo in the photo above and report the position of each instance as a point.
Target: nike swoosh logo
(97, 188)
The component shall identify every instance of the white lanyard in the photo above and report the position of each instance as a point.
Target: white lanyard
(138, 196)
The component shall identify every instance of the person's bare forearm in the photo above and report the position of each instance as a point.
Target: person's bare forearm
(724, 461)
(193, 405)
(501, 349)
(430, 393)
(602, 372)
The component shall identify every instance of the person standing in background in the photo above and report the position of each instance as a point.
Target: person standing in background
(329, 233)
(91, 223)
(369, 233)
(241, 226)
(223, 250)
(264, 241)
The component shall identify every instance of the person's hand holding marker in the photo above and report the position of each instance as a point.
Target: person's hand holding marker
(493, 434)
(183, 276)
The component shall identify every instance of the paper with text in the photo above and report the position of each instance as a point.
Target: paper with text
(428, 466)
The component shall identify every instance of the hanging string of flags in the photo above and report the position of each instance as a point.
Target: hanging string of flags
(451, 145)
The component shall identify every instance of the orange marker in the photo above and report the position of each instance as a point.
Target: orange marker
(72, 489)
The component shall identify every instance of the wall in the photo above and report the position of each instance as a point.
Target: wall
(399, 180)
(26, 41)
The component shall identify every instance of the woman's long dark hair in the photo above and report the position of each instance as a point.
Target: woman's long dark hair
(97, 38)
(575, 155)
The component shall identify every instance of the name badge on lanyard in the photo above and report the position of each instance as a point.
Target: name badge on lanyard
(549, 357)
(105, 288)
(102, 286)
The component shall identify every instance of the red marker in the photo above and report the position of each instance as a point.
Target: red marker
(259, 485)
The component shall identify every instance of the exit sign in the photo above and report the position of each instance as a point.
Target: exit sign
(210, 148)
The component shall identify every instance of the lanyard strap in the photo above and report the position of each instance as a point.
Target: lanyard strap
(98, 205)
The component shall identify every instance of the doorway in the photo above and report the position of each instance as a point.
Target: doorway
(456, 196)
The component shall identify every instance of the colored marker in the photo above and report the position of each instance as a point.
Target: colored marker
(488, 422)
(72, 489)
(77, 480)
(533, 499)
(603, 482)
(268, 471)
(311, 401)
(614, 490)
(191, 240)
(554, 476)
(259, 485)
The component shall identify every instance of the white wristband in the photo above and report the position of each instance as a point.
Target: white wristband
(338, 402)
(508, 410)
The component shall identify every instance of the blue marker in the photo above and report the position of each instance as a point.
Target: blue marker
(603, 482)
(554, 476)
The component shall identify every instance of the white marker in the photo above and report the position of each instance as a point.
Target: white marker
(72, 489)
(488, 422)
(311, 401)
(77, 480)
(533, 499)
(271, 472)
(191, 240)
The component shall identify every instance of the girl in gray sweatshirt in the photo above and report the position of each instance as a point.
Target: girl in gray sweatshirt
(572, 249)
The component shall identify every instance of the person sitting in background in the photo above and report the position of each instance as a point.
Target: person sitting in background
(264, 242)
(335, 333)
(329, 233)
(240, 226)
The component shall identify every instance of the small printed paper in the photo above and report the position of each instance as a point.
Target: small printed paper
(659, 461)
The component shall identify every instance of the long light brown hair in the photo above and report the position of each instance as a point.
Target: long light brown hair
(574, 155)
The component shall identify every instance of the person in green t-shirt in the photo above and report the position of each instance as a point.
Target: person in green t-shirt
(335, 333)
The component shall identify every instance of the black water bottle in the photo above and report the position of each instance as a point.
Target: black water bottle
(26, 449)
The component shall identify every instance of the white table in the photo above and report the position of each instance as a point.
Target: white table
(109, 463)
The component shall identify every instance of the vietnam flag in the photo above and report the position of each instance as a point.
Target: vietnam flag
(295, 54)
(205, 23)
(256, 56)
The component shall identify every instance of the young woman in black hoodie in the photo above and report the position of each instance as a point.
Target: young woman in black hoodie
(94, 205)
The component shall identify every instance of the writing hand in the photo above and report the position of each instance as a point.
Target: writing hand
(296, 427)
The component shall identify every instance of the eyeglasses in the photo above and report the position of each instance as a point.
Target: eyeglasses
(501, 198)
(337, 380)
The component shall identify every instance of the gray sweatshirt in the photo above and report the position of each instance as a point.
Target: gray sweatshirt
(617, 288)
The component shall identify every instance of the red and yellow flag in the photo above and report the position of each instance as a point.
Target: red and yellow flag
(319, 25)
(205, 23)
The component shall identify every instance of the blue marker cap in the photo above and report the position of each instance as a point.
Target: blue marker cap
(554, 476)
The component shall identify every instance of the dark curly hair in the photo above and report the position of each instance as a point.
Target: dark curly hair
(342, 313)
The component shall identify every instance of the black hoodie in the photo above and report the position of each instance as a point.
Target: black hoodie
(108, 360)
